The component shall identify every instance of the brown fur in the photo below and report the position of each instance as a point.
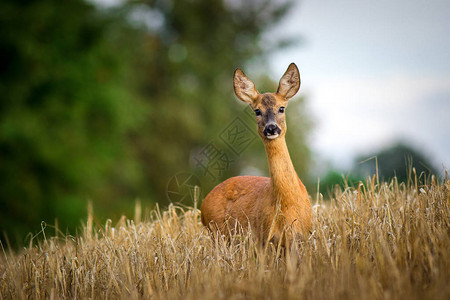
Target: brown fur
(269, 206)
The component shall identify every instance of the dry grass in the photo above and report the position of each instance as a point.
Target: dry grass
(380, 241)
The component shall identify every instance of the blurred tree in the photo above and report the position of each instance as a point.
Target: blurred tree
(109, 104)
(65, 111)
(335, 178)
(396, 160)
(190, 53)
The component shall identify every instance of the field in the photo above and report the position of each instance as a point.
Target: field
(381, 240)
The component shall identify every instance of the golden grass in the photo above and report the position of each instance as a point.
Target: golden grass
(378, 241)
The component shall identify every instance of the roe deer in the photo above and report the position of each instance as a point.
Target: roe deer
(276, 208)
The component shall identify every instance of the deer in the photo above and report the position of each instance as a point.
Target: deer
(276, 209)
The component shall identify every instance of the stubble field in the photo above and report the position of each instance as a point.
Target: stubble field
(381, 240)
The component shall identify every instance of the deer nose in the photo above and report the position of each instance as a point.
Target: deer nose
(271, 129)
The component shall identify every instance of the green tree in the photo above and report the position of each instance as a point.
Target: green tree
(396, 160)
(66, 109)
(109, 104)
(188, 63)
(334, 178)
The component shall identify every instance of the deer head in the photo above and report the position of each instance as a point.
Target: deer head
(269, 108)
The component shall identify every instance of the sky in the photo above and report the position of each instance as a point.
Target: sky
(373, 73)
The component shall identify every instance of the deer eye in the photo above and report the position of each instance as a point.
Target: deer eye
(257, 112)
(281, 109)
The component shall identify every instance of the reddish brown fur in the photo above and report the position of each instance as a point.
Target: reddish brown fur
(269, 206)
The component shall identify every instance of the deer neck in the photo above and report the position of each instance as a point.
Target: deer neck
(285, 185)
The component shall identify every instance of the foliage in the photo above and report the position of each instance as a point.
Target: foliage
(388, 240)
(109, 104)
(65, 112)
(188, 60)
(398, 161)
(333, 179)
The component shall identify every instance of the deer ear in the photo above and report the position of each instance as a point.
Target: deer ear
(290, 82)
(244, 87)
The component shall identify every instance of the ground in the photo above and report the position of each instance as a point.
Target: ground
(375, 241)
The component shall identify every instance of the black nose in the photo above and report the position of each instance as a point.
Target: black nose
(272, 129)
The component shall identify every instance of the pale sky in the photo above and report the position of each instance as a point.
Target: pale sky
(373, 72)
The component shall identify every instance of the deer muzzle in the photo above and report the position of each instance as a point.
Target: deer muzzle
(272, 131)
